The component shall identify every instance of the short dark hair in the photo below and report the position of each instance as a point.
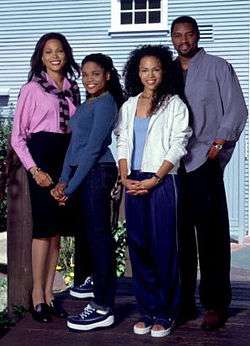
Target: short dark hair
(186, 19)
(71, 68)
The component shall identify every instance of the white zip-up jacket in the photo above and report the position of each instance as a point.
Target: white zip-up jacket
(167, 135)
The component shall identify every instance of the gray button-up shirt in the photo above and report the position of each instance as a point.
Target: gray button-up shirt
(218, 109)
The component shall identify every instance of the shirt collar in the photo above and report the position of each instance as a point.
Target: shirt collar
(66, 83)
(198, 56)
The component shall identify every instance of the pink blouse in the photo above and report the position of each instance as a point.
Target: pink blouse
(36, 111)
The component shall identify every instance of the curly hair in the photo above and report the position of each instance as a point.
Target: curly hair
(133, 84)
(71, 69)
(113, 84)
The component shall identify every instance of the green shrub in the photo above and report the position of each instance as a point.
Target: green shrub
(120, 238)
(66, 259)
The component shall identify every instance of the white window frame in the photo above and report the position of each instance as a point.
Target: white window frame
(116, 26)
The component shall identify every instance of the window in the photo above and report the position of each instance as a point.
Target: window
(138, 15)
(4, 99)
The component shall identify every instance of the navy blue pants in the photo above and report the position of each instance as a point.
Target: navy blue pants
(152, 238)
(95, 204)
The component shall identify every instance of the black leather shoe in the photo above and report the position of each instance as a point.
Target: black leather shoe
(41, 313)
(56, 309)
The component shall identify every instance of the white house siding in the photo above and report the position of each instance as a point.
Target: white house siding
(86, 24)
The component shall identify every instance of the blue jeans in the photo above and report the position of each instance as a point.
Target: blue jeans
(95, 206)
(152, 238)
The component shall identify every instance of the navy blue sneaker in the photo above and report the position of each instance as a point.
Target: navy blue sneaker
(91, 318)
(85, 290)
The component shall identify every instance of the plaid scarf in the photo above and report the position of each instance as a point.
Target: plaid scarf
(72, 93)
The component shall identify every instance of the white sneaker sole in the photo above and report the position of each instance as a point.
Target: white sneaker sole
(160, 333)
(81, 295)
(106, 323)
(142, 331)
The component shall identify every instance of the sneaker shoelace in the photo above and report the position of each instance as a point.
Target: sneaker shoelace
(88, 280)
(87, 311)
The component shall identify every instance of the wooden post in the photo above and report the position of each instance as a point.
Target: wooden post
(19, 237)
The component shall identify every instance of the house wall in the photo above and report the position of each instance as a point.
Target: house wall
(86, 24)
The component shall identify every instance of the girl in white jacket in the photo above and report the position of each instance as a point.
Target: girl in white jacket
(152, 134)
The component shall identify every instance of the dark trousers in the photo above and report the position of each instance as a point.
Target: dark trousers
(152, 239)
(82, 259)
(205, 230)
(94, 195)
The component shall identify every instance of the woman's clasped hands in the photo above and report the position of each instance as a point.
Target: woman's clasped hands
(58, 193)
(138, 188)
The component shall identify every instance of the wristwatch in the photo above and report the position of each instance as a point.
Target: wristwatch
(217, 146)
(158, 178)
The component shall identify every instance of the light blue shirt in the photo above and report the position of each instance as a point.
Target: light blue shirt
(140, 133)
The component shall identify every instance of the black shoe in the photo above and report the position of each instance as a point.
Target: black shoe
(84, 290)
(56, 309)
(41, 313)
(91, 318)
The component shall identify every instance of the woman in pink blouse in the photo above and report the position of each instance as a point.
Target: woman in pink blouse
(40, 138)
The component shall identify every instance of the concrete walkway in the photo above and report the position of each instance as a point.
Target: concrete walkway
(3, 247)
(241, 255)
(240, 261)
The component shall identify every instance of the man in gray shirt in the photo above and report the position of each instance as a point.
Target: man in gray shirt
(210, 87)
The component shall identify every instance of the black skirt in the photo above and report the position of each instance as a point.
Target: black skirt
(49, 219)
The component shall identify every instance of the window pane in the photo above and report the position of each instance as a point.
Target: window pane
(126, 4)
(140, 17)
(126, 18)
(4, 99)
(140, 4)
(154, 3)
(154, 17)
